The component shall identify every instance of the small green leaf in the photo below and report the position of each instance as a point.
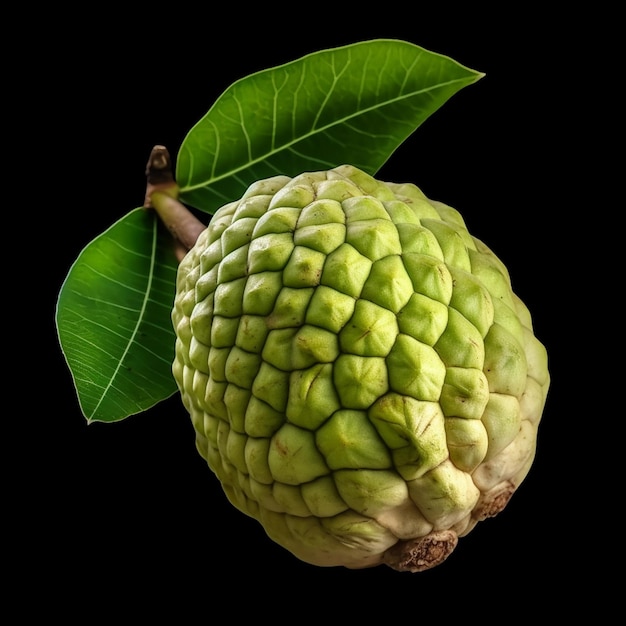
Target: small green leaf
(350, 105)
(113, 319)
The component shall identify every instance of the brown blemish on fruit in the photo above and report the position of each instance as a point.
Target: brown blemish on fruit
(493, 502)
(417, 555)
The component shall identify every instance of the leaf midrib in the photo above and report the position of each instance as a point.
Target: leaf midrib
(140, 317)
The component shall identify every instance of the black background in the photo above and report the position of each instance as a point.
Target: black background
(126, 519)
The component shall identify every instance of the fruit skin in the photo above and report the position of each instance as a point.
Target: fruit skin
(360, 376)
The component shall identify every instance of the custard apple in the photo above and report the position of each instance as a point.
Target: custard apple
(360, 376)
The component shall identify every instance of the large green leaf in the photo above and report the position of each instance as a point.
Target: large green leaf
(113, 318)
(354, 104)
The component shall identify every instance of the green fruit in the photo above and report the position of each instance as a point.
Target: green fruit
(360, 376)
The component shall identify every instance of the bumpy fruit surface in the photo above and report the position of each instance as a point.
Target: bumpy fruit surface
(359, 373)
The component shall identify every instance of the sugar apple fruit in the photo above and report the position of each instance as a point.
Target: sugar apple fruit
(360, 376)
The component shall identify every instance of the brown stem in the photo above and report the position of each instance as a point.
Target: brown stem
(162, 196)
(159, 175)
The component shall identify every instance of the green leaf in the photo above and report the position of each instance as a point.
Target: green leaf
(113, 319)
(354, 104)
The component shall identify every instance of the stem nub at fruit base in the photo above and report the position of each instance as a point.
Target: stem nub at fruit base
(162, 196)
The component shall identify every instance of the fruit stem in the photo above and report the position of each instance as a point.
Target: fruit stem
(162, 196)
